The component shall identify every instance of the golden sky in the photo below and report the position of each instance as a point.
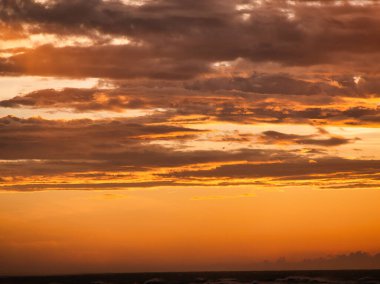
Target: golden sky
(168, 135)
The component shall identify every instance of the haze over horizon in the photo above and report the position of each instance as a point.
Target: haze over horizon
(177, 135)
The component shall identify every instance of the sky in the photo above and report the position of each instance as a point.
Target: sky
(178, 135)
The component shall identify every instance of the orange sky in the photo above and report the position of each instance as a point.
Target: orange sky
(168, 135)
(181, 229)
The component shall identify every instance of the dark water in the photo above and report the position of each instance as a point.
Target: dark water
(347, 276)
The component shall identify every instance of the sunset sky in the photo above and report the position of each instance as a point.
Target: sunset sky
(178, 135)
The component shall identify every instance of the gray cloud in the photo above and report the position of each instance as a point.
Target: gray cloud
(311, 61)
(323, 166)
(222, 105)
(265, 84)
(285, 84)
(276, 137)
(352, 260)
(36, 146)
(178, 39)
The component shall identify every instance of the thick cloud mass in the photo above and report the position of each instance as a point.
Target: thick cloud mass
(190, 92)
(180, 39)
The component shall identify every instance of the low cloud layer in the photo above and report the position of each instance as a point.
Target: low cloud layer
(353, 260)
(222, 106)
(119, 154)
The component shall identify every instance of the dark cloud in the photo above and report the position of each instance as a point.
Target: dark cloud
(108, 61)
(276, 137)
(222, 105)
(78, 99)
(351, 260)
(277, 62)
(178, 39)
(46, 147)
(274, 113)
(114, 17)
(323, 166)
(37, 138)
(117, 99)
(265, 84)
(86, 151)
(285, 84)
(136, 159)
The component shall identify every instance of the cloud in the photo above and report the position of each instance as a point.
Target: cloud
(78, 99)
(222, 105)
(174, 39)
(275, 137)
(100, 61)
(298, 167)
(343, 85)
(41, 154)
(265, 84)
(274, 113)
(183, 63)
(102, 150)
(351, 260)
(37, 138)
